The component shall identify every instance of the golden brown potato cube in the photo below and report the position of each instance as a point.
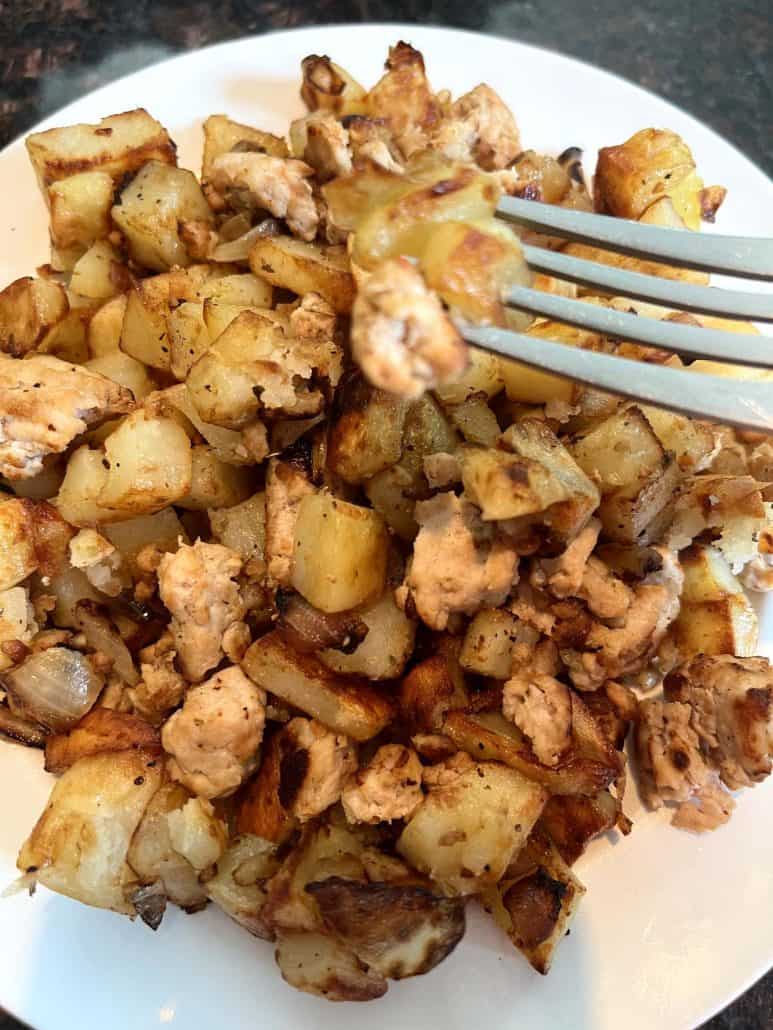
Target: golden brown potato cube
(536, 909)
(244, 289)
(242, 527)
(80, 843)
(150, 210)
(83, 482)
(475, 421)
(103, 333)
(149, 465)
(340, 553)
(102, 729)
(532, 385)
(305, 268)
(367, 437)
(318, 964)
(429, 690)
(716, 616)
(188, 337)
(119, 144)
(652, 164)
(218, 315)
(488, 643)
(30, 310)
(691, 441)
(80, 211)
(18, 558)
(125, 371)
(99, 274)
(572, 821)
(215, 484)
(144, 330)
(260, 811)
(238, 886)
(465, 833)
(221, 135)
(342, 703)
(483, 375)
(384, 652)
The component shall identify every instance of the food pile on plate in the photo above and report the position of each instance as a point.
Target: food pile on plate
(320, 614)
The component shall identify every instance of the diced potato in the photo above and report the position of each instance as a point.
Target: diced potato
(30, 311)
(80, 844)
(149, 465)
(117, 145)
(464, 835)
(197, 833)
(17, 620)
(162, 531)
(99, 274)
(536, 909)
(532, 385)
(716, 616)
(367, 437)
(482, 375)
(17, 545)
(221, 135)
(329, 87)
(392, 494)
(345, 704)
(318, 964)
(305, 268)
(152, 854)
(691, 441)
(261, 810)
(84, 480)
(100, 730)
(242, 527)
(227, 444)
(80, 211)
(214, 484)
(124, 370)
(218, 315)
(103, 333)
(573, 821)
(244, 289)
(340, 553)
(144, 329)
(150, 210)
(488, 643)
(430, 690)
(238, 886)
(383, 653)
(188, 337)
(475, 421)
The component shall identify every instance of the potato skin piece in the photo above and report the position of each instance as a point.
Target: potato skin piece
(101, 730)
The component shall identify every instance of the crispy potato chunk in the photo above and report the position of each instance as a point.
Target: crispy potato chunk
(715, 617)
(305, 268)
(238, 886)
(44, 404)
(214, 738)
(101, 730)
(328, 87)
(342, 703)
(198, 586)
(479, 127)
(315, 763)
(401, 336)
(149, 465)
(30, 311)
(384, 652)
(367, 436)
(79, 845)
(318, 964)
(260, 810)
(221, 135)
(80, 211)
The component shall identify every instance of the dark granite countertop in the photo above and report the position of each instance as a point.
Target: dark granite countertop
(712, 57)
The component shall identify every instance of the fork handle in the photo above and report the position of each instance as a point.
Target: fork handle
(733, 402)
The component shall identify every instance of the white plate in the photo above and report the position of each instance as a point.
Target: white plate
(672, 927)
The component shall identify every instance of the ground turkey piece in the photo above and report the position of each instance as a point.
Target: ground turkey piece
(213, 739)
(731, 702)
(402, 337)
(197, 585)
(388, 787)
(277, 184)
(672, 767)
(286, 486)
(480, 128)
(539, 704)
(161, 687)
(45, 403)
(460, 563)
(316, 763)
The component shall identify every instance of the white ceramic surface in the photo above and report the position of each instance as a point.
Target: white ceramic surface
(672, 927)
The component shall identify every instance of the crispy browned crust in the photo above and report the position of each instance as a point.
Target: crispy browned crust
(573, 821)
(101, 730)
(260, 808)
(425, 694)
(534, 905)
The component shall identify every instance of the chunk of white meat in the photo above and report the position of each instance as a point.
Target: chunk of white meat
(278, 184)
(197, 584)
(387, 788)
(459, 564)
(479, 127)
(538, 703)
(322, 142)
(213, 740)
(44, 404)
(286, 486)
(401, 336)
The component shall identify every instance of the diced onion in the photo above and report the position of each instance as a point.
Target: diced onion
(239, 249)
(55, 688)
(103, 636)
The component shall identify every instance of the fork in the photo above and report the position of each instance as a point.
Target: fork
(747, 404)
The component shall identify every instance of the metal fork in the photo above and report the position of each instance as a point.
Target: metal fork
(738, 402)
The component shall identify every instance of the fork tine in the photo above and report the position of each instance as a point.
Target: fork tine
(742, 403)
(737, 255)
(716, 344)
(705, 299)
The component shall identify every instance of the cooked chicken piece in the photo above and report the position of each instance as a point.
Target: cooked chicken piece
(316, 763)
(313, 319)
(459, 564)
(442, 470)
(401, 336)
(44, 404)
(321, 141)
(371, 140)
(480, 127)
(606, 595)
(672, 767)
(538, 703)
(447, 773)
(564, 573)
(100, 561)
(387, 788)
(608, 652)
(286, 486)
(731, 700)
(197, 585)
(576, 573)
(404, 100)
(213, 739)
(161, 688)
(277, 184)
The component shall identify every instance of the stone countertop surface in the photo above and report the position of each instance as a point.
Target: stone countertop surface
(712, 58)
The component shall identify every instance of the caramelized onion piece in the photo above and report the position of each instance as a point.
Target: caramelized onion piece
(54, 688)
(307, 629)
